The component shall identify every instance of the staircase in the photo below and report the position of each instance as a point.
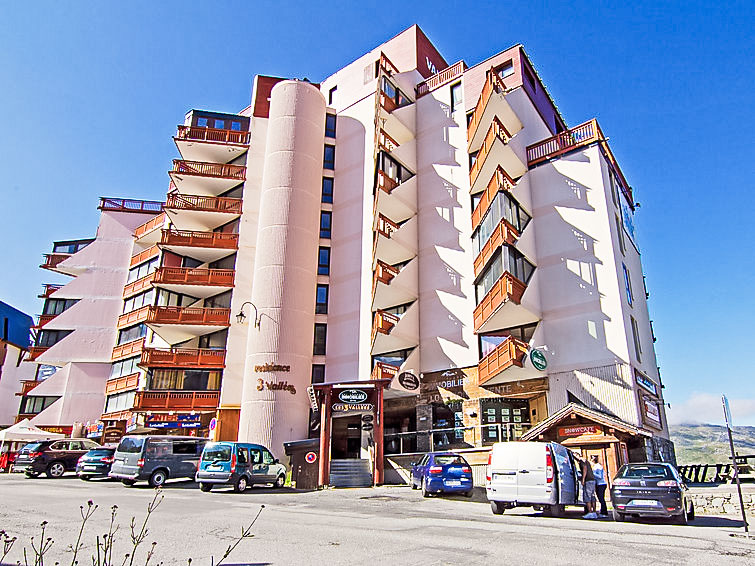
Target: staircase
(350, 473)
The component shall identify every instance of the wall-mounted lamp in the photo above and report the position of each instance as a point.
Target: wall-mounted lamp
(240, 317)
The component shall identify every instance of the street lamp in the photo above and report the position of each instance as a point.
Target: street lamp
(241, 316)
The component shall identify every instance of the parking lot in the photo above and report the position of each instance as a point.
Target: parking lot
(348, 526)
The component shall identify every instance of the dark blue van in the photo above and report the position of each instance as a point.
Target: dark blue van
(240, 465)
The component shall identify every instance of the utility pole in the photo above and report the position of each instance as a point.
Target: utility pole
(727, 417)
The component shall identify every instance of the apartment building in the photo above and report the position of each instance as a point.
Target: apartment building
(407, 256)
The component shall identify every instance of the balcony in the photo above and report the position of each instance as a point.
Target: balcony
(500, 181)
(202, 178)
(49, 289)
(440, 78)
(121, 384)
(396, 119)
(127, 350)
(53, 260)
(203, 246)
(509, 353)
(394, 243)
(491, 104)
(176, 400)
(392, 332)
(501, 306)
(394, 200)
(210, 144)
(35, 352)
(494, 152)
(130, 205)
(573, 139)
(502, 234)
(177, 324)
(133, 317)
(391, 286)
(144, 255)
(183, 358)
(201, 213)
(148, 233)
(138, 286)
(399, 147)
(43, 319)
(195, 282)
(27, 385)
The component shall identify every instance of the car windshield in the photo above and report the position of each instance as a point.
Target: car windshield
(131, 444)
(646, 471)
(449, 459)
(100, 452)
(30, 448)
(217, 452)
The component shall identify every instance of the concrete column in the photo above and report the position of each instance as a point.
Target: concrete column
(424, 423)
(285, 270)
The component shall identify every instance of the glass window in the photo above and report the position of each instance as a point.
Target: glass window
(321, 331)
(393, 169)
(321, 303)
(243, 455)
(219, 124)
(330, 125)
(332, 95)
(503, 207)
(489, 341)
(327, 189)
(395, 358)
(57, 306)
(219, 452)
(636, 337)
(329, 160)
(215, 340)
(267, 458)
(47, 338)
(132, 333)
(119, 402)
(455, 96)
(124, 367)
(186, 379)
(507, 259)
(236, 126)
(255, 455)
(142, 270)
(131, 444)
(138, 301)
(620, 232)
(506, 70)
(185, 447)
(318, 373)
(323, 261)
(202, 122)
(627, 284)
(325, 220)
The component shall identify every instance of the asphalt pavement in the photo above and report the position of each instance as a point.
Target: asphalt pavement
(385, 525)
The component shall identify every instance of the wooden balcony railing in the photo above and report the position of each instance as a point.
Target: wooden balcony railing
(440, 78)
(49, 289)
(127, 350)
(194, 276)
(383, 322)
(502, 234)
(212, 135)
(149, 225)
(507, 288)
(386, 65)
(130, 205)
(187, 238)
(384, 182)
(27, 385)
(574, 138)
(183, 357)
(204, 204)
(493, 83)
(141, 257)
(36, 351)
(43, 319)
(385, 142)
(133, 317)
(384, 273)
(509, 353)
(139, 285)
(22, 416)
(500, 181)
(189, 315)
(116, 416)
(384, 371)
(124, 383)
(386, 226)
(53, 260)
(224, 170)
(172, 400)
(496, 131)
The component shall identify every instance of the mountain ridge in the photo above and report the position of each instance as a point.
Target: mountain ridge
(709, 444)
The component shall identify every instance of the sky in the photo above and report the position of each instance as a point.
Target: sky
(93, 91)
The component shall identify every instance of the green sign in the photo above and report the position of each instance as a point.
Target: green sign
(538, 359)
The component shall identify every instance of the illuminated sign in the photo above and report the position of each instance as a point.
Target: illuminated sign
(352, 396)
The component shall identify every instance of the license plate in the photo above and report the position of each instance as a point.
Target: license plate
(453, 482)
(644, 502)
(90, 467)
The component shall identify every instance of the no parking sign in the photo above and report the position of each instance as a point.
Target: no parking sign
(310, 457)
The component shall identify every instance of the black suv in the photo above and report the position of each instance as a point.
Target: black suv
(53, 457)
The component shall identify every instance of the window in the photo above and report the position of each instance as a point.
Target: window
(267, 458)
(489, 341)
(332, 95)
(506, 70)
(455, 96)
(627, 284)
(138, 301)
(202, 122)
(323, 261)
(47, 338)
(119, 402)
(325, 221)
(393, 169)
(329, 160)
(32, 405)
(318, 373)
(132, 333)
(330, 125)
(124, 367)
(185, 379)
(614, 187)
(321, 331)
(502, 207)
(321, 303)
(327, 189)
(57, 306)
(219, 124)
(243, 455)
(398, 98)
(214, 340)
(142, 270)
(185, 447)
(395, 358)
(620, 232)
(636, 336)
(236, 126)
(509, 260)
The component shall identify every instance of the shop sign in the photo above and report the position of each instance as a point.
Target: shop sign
(651, 410)
(367, 426)
(273, 386)
(408, 380)
(645, 383)
(348, 407)
(271, 367)
(58, 429)
(368, 418)
(132, 423)
(539, 384)
(95, 429)
(310, 457)
(538, 359)
(312, 398)
(579, 430)
(352, 396)
(112, 435)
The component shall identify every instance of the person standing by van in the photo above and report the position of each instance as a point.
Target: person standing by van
(600, 483)
(588, 490)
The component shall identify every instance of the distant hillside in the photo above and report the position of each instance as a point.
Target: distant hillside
(709, 444)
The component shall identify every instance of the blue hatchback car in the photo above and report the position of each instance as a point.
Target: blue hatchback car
(442, 472)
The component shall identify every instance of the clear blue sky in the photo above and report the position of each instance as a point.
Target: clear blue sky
(92, 92)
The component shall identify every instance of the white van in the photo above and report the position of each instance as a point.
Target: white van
(542, 475)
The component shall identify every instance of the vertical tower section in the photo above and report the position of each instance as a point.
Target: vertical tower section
(274, 404)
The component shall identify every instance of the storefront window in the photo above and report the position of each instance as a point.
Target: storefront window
(503, 419)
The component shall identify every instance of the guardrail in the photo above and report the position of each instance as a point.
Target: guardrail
(440, 78)
(130, 205)
(452, 438)
(212, 135)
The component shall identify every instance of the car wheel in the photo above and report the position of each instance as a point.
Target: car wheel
(691, 512)
(425, 493)
(240, 485)
(158, 477)
(619, 517)
(55, 470)
(205, 487)
(497, 507)
(681, 518)
(469, 493)
(85, 477)
(128, 483)
(280, 481)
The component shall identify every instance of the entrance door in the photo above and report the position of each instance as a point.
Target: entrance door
(346, 438)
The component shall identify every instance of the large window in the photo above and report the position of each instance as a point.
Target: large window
(185, 379)
(325, 221)
(455, 96)
(502, 207)
(627, 285)
(47, 338)
(489, 341)
(215, 340)
(393, 168)
(138, 301)
(33, 404)
(57, 306)
(395, 358)
(119, 402)
(329, 158)
(507, 259)
(390, 91)
(323, 261)
(318, 373)
(132, 333)
(70, 247)
(142, 270)
(636, 338)
(321, 332)
(330, 125)
(327, 189)
(321, 303)
(124, 367)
